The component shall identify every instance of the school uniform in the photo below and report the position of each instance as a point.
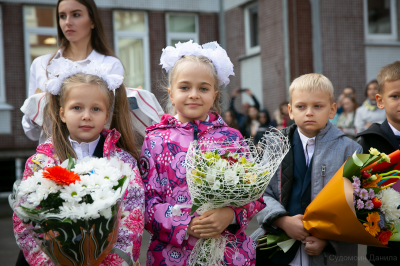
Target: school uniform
(38, 79)
(386, 139)
(305, 170)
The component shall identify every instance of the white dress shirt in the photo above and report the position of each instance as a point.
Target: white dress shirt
(38, 78)
(395, 131)
(301, 258)
(84, 149)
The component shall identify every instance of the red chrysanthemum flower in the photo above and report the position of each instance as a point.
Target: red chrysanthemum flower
(61, 175)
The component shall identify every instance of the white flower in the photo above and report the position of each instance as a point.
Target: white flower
(35, 198)
(385, 157)
(103, 195)
(373, 151)
(390, 201)
(112, 174)
(221, 164)
(83, 168)
(231, 177)
(31, 184)
(49, 186)
(106, 213)
(211, 174)
(216, 185)
(72, 192)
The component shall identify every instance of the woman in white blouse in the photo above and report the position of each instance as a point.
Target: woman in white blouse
(82, 39)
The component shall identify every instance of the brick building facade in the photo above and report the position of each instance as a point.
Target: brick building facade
(22, 42)
(340, 39)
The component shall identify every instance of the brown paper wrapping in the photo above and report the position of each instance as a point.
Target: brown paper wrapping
(329, 215)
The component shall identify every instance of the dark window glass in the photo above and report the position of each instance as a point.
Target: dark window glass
(379, 17)
(253, 17)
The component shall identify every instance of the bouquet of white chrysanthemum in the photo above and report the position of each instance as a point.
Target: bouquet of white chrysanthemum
(72, 210)
(229, 173)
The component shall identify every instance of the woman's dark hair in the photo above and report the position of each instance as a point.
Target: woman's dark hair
(234, 124)
(369, 83)
(267, 115)
(98, 39)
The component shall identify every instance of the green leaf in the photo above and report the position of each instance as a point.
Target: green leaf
(354, 164)
(71, 163)
(273, 239)
(194, 208)
(120, 183)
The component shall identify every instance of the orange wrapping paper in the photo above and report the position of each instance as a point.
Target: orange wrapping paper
(329, 216)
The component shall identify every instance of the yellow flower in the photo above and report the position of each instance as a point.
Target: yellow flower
(373, 151)
(250, 178)
(208, 155)
(242, 160)
(373, 178)
(385, 157)
(372, 226)
(197, 181)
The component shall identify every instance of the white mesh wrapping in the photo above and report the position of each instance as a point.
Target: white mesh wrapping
(215, 185)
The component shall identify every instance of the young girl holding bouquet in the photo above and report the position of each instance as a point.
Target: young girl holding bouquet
(81, 100)
(196, 75)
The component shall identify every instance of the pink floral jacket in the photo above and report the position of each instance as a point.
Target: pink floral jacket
(162, 166)
(132, 219)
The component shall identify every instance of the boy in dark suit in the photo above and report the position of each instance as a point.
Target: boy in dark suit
(386, 138)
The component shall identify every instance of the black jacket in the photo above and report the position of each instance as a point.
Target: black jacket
(382, 138)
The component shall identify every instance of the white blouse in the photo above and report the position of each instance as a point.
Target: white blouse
(38, 78)
(84, 149)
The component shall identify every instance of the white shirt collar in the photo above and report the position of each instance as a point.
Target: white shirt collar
(304, 139)
(395, 131)
(84, 149)
(93, 56)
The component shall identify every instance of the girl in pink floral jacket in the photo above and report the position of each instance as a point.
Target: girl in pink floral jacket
(79, 110)
(194, 92)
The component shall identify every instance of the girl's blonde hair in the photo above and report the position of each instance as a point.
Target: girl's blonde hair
(201, 60)
(120, 114)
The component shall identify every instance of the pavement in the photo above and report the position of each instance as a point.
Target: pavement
(9, 249)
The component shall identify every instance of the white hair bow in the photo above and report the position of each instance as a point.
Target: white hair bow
(62, 68)
(211, 50)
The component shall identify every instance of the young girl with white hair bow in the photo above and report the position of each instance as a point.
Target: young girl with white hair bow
(80, 100)
(196, 75)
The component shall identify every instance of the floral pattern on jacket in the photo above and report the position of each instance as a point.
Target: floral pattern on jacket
(162, 166)
(132, 219)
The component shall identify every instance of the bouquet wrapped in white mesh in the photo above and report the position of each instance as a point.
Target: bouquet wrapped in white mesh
(229, 173)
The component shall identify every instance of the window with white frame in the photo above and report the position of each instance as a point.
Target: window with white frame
(380, 19)
(251, 29)
(131, 40)
(182, 28)
(40, 33)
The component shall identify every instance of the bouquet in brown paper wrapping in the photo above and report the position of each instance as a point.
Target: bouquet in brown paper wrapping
(358, 205)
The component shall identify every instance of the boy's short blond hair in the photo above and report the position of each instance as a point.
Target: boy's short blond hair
(312, 82)
(387, 74)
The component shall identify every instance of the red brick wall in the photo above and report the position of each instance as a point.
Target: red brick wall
(15, 77)
(272, 53)
(107, 19)
(300, 38)
(208, 26)
(343, 51)
(157, 40)
(235, 45)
